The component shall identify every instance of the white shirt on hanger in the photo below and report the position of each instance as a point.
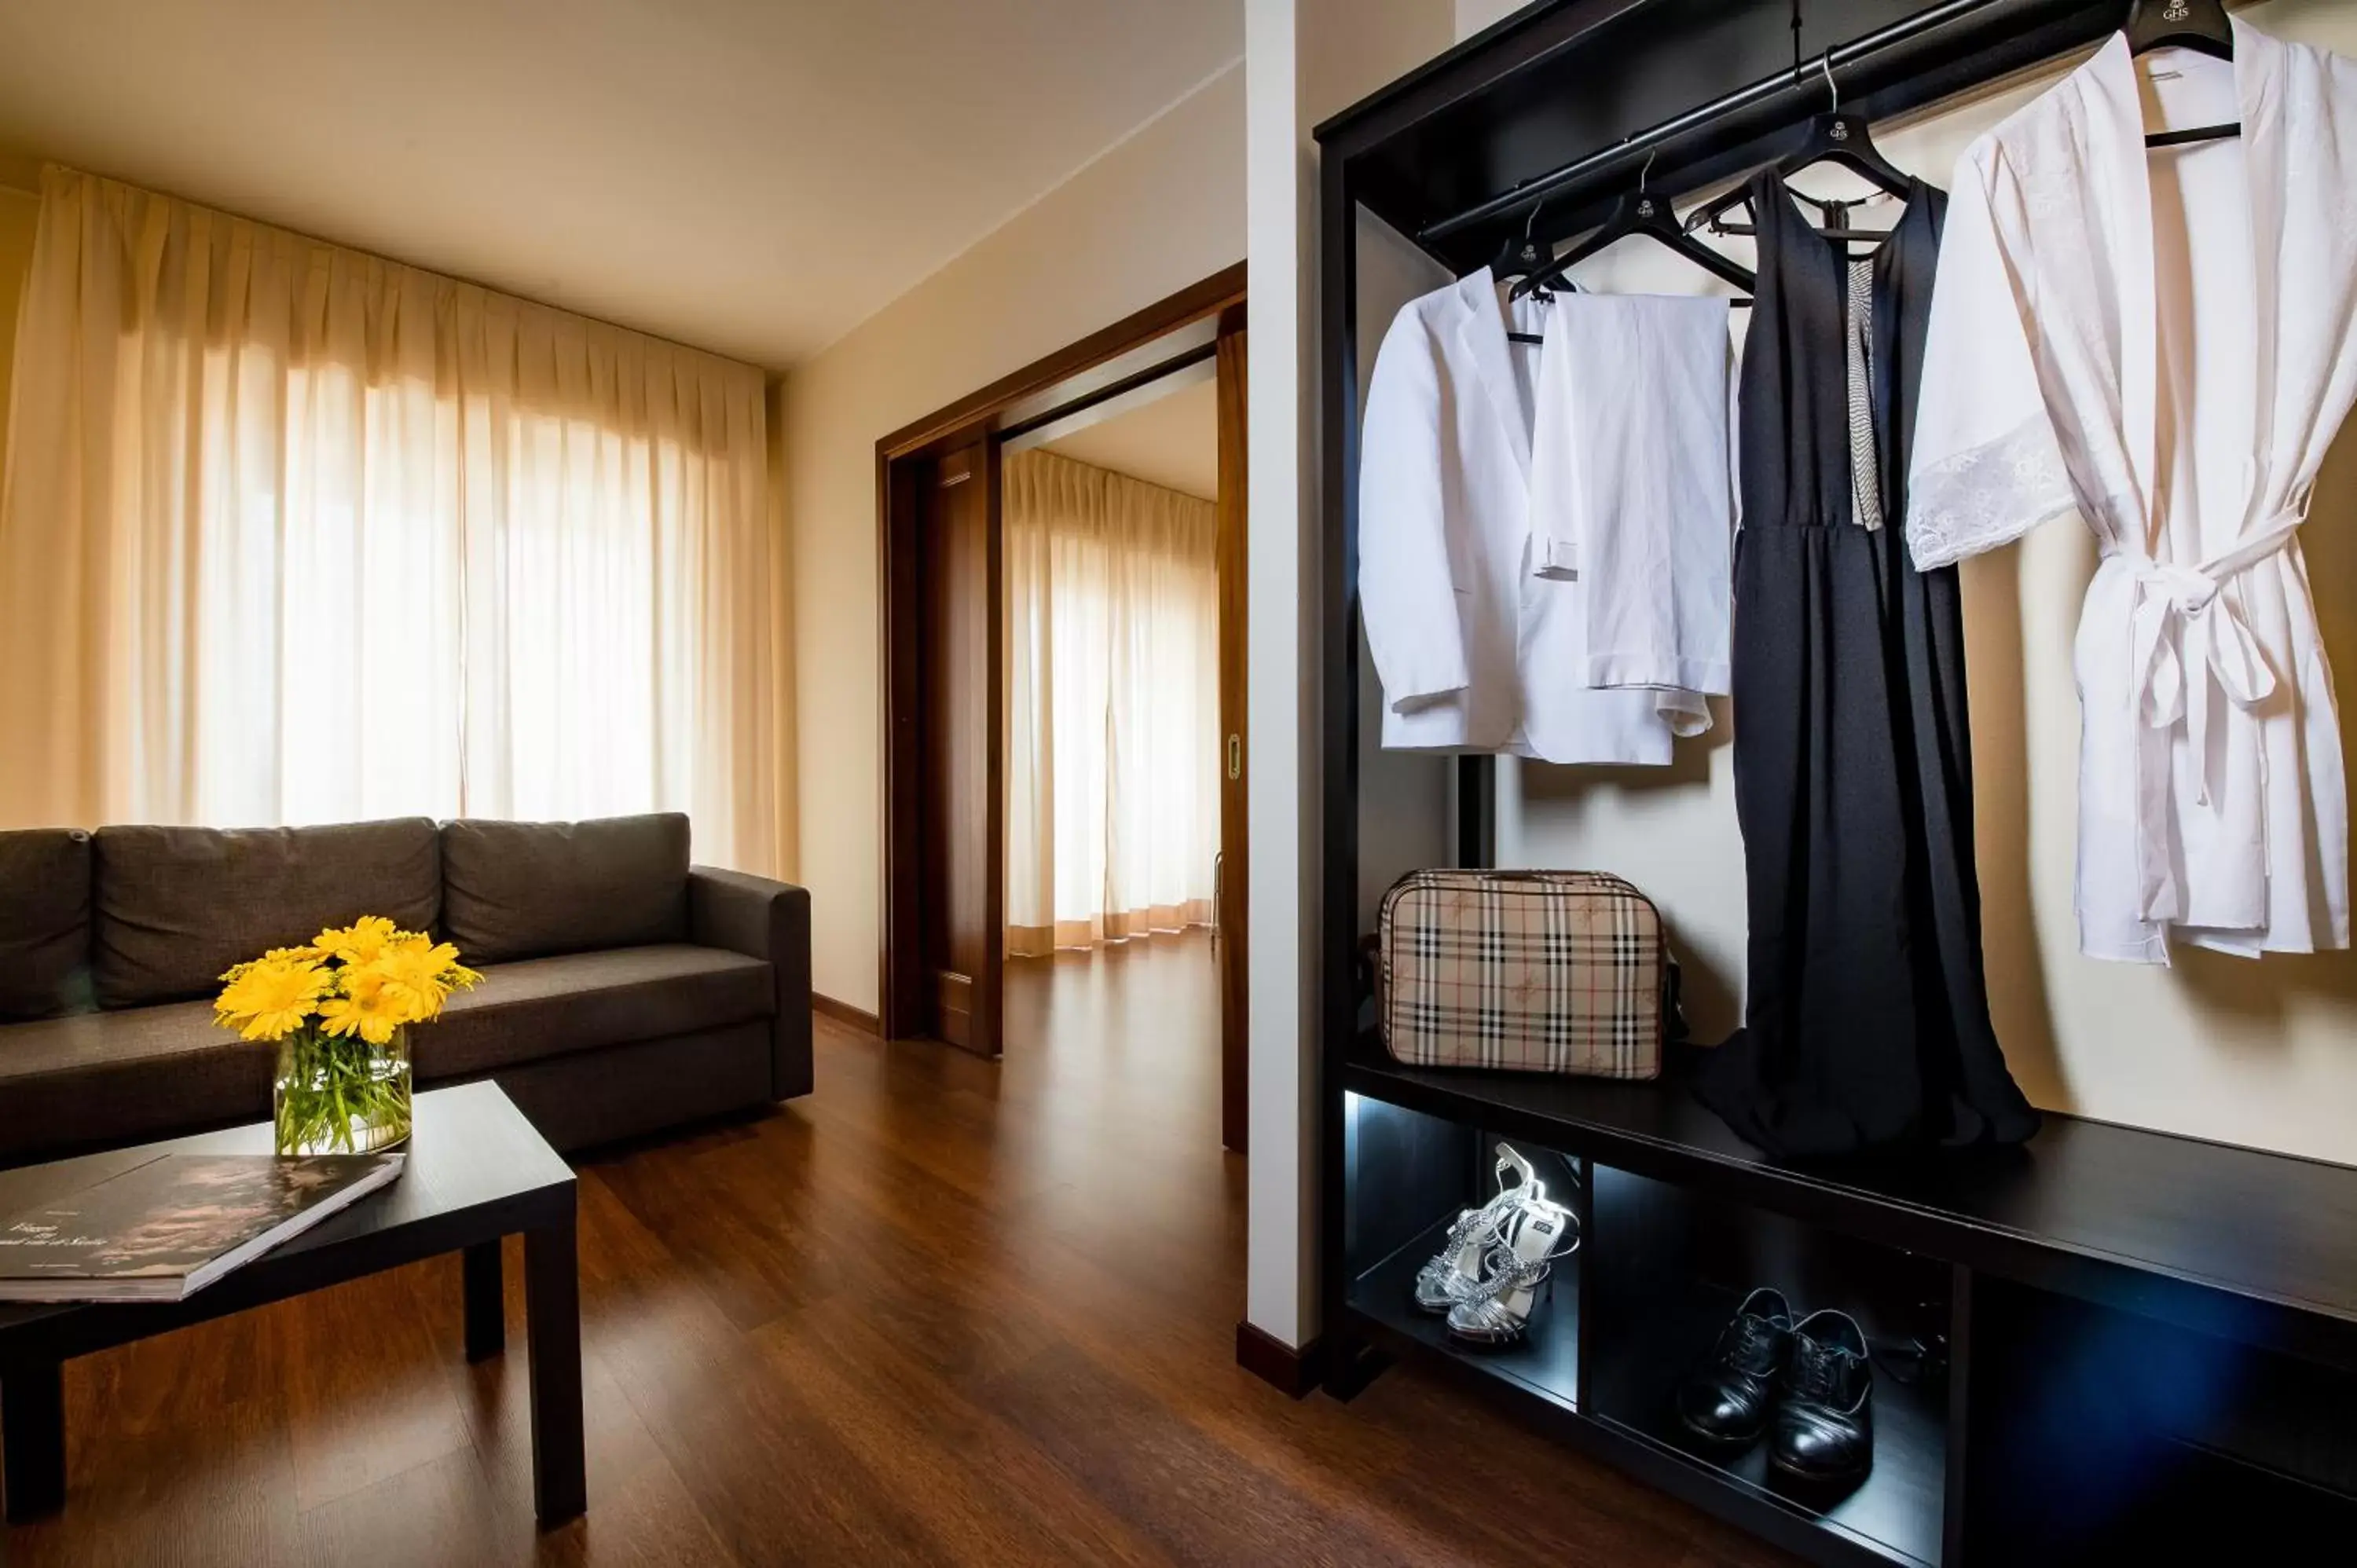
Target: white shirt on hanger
(1632, 488)
(2167, 340)
(1475, 650)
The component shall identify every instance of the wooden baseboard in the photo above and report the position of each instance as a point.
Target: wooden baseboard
(1270, 1359)
(844, 1013)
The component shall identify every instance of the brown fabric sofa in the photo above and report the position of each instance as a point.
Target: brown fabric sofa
(624, 991)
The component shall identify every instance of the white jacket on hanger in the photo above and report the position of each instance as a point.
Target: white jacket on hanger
(1472, 645)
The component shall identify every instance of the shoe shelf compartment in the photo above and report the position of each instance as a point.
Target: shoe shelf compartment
(1670, 1270)
(2108, 1346)
(1421, 1172)
(2104, 1436)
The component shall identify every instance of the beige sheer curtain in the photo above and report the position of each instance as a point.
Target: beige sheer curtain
(1113, 803)
(292, 534)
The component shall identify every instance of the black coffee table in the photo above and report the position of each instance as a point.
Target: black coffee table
(476, 1172)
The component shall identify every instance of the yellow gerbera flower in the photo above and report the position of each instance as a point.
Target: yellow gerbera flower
(359, 942)
(421, 972)
(369, 1008)
(271, 997)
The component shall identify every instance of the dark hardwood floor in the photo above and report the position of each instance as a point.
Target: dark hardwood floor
(942, 1311)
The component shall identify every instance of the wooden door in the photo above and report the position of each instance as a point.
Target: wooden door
(1235, 1033)
(959, 893)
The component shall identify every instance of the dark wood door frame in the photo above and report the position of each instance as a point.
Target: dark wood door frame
(901, 460)
(1235, 1066)
(962, 705)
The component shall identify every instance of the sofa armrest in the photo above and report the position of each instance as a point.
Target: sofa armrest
(740, 913)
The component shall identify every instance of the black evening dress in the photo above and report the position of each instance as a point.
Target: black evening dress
(1867, 1024)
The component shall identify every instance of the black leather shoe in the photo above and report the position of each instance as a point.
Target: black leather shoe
(1825, 1422)
(1730, 1397)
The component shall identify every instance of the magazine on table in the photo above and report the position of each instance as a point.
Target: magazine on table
(170, 1226)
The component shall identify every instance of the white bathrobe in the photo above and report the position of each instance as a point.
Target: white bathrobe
(1476, 652)
(2167, 341)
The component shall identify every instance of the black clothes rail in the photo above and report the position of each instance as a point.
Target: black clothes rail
(1803, 79)
(1883, 67)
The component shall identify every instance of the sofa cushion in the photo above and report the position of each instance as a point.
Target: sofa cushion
(44, 923)
(174, 907)
(125, 1076)
(577, 1002)
(513, 890)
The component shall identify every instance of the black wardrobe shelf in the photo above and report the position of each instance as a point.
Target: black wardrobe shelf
(1829, 1537)
(2256, 1247)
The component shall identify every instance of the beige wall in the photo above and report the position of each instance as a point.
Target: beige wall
(2262, 1054)
(1472, 15)
(19, 179)
(1158, 212)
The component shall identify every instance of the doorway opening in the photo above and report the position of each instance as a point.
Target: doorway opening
(1064, 638)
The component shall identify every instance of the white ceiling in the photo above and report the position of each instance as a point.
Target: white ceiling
(752, 178)
(1173, 441)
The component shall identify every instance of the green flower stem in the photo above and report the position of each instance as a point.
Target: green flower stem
(341, 1095)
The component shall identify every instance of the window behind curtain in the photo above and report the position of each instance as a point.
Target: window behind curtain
(1112, 705)
(294, 533)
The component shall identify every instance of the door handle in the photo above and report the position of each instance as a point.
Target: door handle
(1235, 756)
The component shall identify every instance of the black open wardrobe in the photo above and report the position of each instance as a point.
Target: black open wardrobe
(2099, 1344)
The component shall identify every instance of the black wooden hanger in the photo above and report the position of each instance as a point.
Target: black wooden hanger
(1643, 212)
(2197, 25)
(1521, 256)
(1833, 137)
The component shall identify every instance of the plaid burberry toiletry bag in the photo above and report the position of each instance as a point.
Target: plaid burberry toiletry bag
(1538, 971)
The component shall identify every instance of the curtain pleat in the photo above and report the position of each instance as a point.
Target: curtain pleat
(293, 535)
(1113, 711)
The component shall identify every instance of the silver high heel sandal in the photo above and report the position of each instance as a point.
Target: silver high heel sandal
(1456, 1269)
(1497, 1311)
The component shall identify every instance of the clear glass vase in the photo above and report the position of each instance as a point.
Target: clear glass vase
(341, 1096)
